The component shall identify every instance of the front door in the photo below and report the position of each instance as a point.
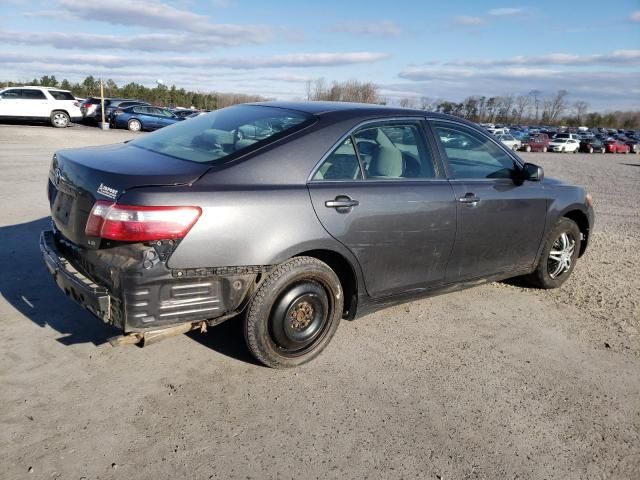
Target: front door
(11, 103)
(389, 204)
(500, 221)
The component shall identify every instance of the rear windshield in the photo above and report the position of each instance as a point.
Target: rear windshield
(218, 135)
(59, 95)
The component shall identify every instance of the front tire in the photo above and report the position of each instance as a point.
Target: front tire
(59, 119)
(294, 313)
(559, 256)
(527, 148)
(134, 125)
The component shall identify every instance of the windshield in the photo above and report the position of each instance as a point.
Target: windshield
(220, 134)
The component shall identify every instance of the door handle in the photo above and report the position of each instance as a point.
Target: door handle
(469, 199)
(342, 203)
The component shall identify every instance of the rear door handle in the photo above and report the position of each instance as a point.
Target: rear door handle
(469, 199)
(342, 203)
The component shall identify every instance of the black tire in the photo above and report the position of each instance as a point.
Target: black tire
(59, 119)
(134, 125)
(575, 151)
(294, 313)
(541, 277)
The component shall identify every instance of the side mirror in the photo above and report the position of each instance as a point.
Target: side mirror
(532, 172)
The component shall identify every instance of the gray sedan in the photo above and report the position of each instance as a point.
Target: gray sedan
(293, 216)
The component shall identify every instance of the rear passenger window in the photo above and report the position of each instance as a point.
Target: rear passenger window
(33, 95)
(342, 164)
(394, 151)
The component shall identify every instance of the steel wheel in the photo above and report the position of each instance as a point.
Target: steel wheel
(299, 318)
(134, 125)
(294, 313)
(561, 254)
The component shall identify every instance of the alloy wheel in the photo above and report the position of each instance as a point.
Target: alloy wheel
(561, 255)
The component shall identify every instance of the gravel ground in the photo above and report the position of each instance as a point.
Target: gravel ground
(498, 381)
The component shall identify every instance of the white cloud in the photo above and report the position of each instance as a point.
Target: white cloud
(151, 14)
(468, 21)
(152, 42)
(373, 29)
(601, 89)
(296, 60)
(618, 57)
(507, 11)
(635, 16)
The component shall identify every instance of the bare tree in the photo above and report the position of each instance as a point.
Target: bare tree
(522, 103)
(580, 107)
(557, 105)
(535, 95)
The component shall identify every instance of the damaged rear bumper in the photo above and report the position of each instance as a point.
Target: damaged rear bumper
(118, 286)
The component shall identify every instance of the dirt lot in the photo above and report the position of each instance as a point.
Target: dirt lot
(495, 382)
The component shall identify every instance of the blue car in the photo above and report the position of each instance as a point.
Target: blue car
(143, 117)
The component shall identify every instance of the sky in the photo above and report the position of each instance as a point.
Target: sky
(409, 49)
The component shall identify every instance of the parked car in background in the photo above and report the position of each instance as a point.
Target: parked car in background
(510, 141)
(57, 106)
(535, 143)
(115, 104)
(592, 144)
(497, 130)
(564, 145)
(183, 112)
(89, 106)
(144, 117)
(616, 146)
(192, 225)
(572, 136)
(634, 145)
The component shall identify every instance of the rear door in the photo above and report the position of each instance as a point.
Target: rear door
(35, 104)
(380, 193)
(500, 222)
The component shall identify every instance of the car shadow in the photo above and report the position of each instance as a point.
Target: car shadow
(632, 164)
(27, 286)
(226, 339)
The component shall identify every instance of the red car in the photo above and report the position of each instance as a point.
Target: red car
(617, 146)
(535, 143)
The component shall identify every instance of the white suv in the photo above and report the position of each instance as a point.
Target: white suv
(39, 103)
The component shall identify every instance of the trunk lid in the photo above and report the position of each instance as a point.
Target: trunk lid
(79, 177)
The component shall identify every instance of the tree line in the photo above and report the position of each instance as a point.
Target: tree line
(533, 108)
(159, 95)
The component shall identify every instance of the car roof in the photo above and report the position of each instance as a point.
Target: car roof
(36, 87)
(358, 110)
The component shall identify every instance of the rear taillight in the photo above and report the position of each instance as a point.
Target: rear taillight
(134, 223)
